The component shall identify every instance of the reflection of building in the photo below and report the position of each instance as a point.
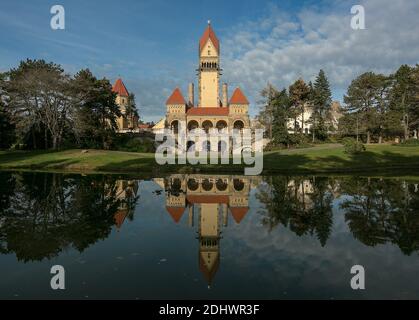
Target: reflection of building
(125, 194)
(211, 199)
(128, 121)
(213, 109)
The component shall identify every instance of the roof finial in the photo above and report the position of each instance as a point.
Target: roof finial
(209, 22)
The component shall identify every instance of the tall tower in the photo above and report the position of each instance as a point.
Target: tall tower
(209, 69)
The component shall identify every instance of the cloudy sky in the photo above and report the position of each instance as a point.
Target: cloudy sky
(152, 45)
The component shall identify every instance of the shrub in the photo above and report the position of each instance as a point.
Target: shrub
(352, 146)
(410, 143)
(137, 145)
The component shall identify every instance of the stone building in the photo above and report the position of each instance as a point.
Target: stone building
(126, 122)
(213, 108)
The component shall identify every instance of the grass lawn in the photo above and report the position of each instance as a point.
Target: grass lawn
(320, 159)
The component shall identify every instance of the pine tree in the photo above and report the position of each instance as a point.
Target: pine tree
(322, 101)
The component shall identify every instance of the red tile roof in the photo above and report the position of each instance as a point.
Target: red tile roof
(207, 199)
(238, 213)
(209, 34)
(176, 212)
(176, 98)
(119, 217)
(238, 97)
(119, 88)
(205, 111)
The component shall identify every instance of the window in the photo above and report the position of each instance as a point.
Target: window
(209, 52)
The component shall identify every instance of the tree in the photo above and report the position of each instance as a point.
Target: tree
(266, 113)
(361, 99)
(39, 99)
(131, 111)
(95, 110)
(299, 94)
(281, 109)
(403, 96)
(7, 130)
(321, 101)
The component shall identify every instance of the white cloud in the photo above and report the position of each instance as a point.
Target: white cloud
(280, 48)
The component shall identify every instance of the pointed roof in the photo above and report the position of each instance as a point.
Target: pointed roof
(238, 97)
(119, 88)
(238, 213)
(209, 34)
(176, 98)
(209, 271)
(176, 212)
(119, 218)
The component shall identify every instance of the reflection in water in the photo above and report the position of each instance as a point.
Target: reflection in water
(212, 199)
(377, 210)
(44, 215)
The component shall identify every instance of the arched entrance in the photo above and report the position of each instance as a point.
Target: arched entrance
(193, 125)
(221, 124)
(238, 184)
(238, 124)
(222, 146)
(207, 185)
(207, 125)
(174, 126)
(206, 146)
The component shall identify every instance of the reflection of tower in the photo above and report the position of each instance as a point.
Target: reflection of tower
(126, 191)
(209, 197)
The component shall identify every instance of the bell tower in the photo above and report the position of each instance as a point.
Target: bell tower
(209, 69)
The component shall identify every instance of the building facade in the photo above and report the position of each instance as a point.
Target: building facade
(127, 122)
(213, 108)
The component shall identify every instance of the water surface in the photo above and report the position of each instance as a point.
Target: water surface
(208, 237)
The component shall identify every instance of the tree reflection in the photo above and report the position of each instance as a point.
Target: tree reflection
(379, 211)
(304, 205)
(42, 214)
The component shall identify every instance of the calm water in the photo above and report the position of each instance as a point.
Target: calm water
(215, 237)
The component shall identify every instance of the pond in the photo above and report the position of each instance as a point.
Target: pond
(208, 237)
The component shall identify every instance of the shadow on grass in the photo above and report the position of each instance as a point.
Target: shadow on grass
(366, 161)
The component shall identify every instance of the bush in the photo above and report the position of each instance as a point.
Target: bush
(352, 146)
(137, 145)
(410, 143)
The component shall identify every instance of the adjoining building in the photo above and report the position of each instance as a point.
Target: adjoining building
(128, 121)
(305, 123)
(214, 109)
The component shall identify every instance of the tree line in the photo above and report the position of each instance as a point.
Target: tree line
(376, 107)
(43, 107)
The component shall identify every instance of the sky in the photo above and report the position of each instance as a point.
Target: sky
(153, 45)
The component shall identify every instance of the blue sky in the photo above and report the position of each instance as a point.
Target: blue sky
(152, 45)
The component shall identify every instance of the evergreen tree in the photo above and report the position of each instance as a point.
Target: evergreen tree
(322, 101)
(299, 94)
(281, 109)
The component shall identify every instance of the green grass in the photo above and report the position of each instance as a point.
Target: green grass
(319, 159)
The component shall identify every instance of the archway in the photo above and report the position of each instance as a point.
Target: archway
(239, 125)
(174, 126)
(238, 184)
(193, 125)
(207, 125)
(221, 185)
(207, 185)
(193, 185)
(222, 146)
(221, 124)
(190, 146)
(206, 146)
